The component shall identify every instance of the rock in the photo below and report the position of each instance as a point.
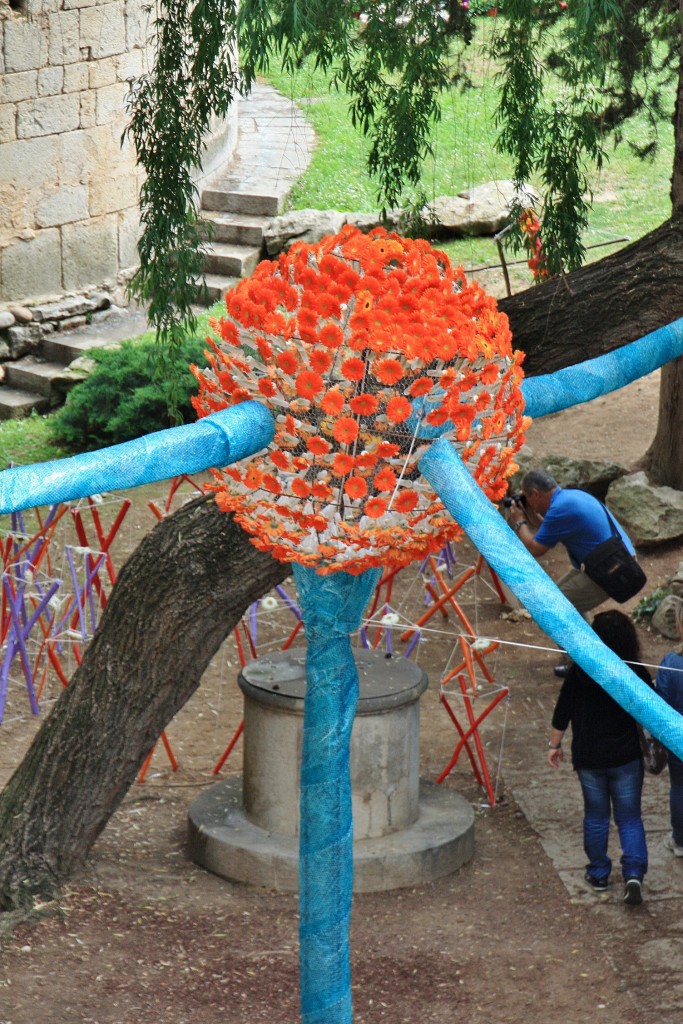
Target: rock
(6, 319)
(664, 618)
(367, 221)
(651, 515)
(24, 339)
(483, 210)
(300, 226)
(69, 306)
(21, 314)
(590, 475)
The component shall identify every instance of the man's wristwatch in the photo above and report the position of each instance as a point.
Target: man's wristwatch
(518, 525)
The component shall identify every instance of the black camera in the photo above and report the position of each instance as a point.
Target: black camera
(515, 499)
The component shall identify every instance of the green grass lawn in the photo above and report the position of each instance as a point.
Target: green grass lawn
(630, 196)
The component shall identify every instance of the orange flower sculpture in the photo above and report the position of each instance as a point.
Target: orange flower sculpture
(364, 348)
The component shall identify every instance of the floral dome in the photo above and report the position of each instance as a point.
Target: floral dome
(364, 348)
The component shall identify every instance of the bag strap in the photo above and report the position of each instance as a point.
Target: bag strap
(610, 519)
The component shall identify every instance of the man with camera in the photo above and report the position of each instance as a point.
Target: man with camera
(545, 514)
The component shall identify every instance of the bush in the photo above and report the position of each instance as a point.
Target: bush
(119, 401)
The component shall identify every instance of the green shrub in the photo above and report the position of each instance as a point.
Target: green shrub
(119, 401)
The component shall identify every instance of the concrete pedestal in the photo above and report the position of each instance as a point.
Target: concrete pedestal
(405, 832)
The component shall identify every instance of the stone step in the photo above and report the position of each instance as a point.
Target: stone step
(236, 228)
(15, 403)
(64, 349)
(230, 260)
(216, 287)
(30, 374)
(247, 203)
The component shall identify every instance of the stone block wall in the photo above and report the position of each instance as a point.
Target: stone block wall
(68, 188)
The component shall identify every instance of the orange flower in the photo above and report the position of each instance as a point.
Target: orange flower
(356, 487)
(331, 335)
(364, 405)
(332, 402)
(421, 386)
(309, 384)
(375, 507)
(386, 450)
(342, 464)
(288, 361)
(320, 360)
(388, 371)
(264, 349)
(253, 477)
(353, 368)
(385, 480)
(366, 462)
(271, 483)
(318, 445)
(405, 501)
(300, 488)
(398, 409)
(279, 459)
(322, 492)
(345, 430)
(266, 387)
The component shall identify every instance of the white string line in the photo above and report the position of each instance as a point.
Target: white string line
(508, 643)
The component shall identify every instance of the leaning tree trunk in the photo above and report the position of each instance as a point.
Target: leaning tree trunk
(602, 306)
(176, 599)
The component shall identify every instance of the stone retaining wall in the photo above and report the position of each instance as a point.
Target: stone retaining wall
(68, 188)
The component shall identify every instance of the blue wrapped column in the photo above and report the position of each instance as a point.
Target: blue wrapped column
(332, 608)
(217, 440)
(550, 609)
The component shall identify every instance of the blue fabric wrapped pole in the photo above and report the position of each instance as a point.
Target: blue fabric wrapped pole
(332, 608)
(506, 554)
(217, 440)
(594, 377)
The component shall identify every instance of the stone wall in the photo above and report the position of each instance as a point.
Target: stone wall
(68, 188)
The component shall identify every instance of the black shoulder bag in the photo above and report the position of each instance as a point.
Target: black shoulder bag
(612, 566)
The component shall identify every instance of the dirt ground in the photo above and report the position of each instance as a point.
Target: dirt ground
(143, 936)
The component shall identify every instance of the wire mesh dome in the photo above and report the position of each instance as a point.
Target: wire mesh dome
(365, 348)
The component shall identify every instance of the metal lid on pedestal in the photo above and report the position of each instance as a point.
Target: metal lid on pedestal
(385, 680)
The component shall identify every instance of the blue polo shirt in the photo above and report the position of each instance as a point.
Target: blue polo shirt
(579, 521)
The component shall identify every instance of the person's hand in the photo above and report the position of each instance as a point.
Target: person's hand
(555, 757)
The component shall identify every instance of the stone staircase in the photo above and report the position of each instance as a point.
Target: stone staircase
(274, 145)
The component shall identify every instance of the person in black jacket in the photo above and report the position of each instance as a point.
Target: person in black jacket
(607, 758)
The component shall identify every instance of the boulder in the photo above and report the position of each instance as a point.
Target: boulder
(664, 618)
(6, 319)
(483, 210)
(590, 475)
(651, 515)
(300, 226)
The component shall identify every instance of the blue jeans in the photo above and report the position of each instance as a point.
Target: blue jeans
(676, 799)
(616, 789)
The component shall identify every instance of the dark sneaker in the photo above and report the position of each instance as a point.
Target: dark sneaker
(633, 894)
(561, 671)
(596, 884)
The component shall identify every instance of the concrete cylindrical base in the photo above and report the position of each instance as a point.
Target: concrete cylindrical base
(221, 839)
(385, 742)
(405, 832)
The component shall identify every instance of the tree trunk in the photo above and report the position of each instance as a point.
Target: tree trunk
(176, 599)
(603, 305)
(663, 460)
